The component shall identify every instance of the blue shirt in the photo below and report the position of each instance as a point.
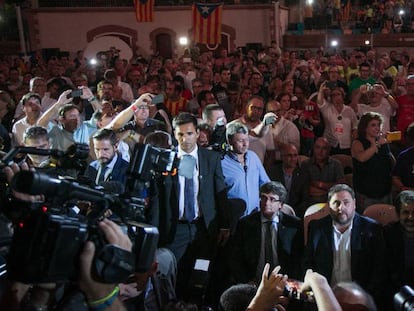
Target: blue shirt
(243, 182)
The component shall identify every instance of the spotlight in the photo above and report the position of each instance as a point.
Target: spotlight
(334, 43)
(183, 41)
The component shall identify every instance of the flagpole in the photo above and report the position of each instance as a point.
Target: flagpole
(20, 28)
(277, 22)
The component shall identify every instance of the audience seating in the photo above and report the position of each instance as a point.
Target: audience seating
(383, 213)
(346, 161)
(287, 209)
(313, 212)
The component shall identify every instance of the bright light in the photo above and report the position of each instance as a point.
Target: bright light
(309, 2)
(334, 43)
(93, 61)
(401, 12)
(183, 41)
(367, 42)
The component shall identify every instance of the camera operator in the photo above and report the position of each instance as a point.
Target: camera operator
(399, 239)
(96, 295)
(37, 137)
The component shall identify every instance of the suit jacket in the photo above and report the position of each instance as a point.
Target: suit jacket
(396, 252)
(212, 198)
(246, 246)
(367, 252)
(118, 173)
(298, 194)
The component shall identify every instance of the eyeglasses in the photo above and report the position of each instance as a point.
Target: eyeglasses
(266, 197)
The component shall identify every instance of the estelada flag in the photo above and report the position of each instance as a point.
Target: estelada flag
(207, 22)
(144, 10)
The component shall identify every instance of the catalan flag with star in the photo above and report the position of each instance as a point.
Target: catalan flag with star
(144, 10)
(207, 22)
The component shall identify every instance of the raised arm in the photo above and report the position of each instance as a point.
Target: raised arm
(52, 112)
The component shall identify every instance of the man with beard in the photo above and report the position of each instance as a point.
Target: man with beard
(346, 246)
(399, 239)
(70, 130)
(109, 165)
(261, 140)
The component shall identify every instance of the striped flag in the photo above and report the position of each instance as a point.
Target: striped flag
(207, 22)
(144, 10)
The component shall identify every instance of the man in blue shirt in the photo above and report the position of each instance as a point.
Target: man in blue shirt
(242, 169)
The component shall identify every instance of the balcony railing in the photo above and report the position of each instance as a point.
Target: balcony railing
(130, 3)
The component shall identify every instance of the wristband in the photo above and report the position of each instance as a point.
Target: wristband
(134, 108)
(91, 99)
(104, 302)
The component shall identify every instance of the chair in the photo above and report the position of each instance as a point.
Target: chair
(346, 161)
(287, 209)
(383, 213)
(313, 212)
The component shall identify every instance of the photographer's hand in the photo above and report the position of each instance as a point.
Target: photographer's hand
(325, 299)
(270, 291)
(94, 290)
(12, 170)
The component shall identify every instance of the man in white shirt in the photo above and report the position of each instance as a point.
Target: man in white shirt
(345, 246)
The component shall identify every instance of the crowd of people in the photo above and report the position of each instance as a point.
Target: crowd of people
(260, 137)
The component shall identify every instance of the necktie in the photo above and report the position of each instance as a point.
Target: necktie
(102, 174)
(189, 208)
(268, 244)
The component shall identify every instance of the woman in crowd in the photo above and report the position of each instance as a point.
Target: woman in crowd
(372, 162)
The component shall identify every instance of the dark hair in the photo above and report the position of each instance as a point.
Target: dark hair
(66, 108)
(404, 198)
(364, 65)
(184, 118)
(237, 297)
(206, 114)
(338, 188)
(158, 139)
(27, 96)
(202, 96)
(275, 187)
(35, 132)
(234, 128)
(106, 134)
(364, 121)
(409, 133)
(5, 97)
(281, 95)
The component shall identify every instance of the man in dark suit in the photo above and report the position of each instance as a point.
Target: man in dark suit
(109, 165)
(192, 222)
(399, 239)
(248, 255)
(291, 176)
(346, 246)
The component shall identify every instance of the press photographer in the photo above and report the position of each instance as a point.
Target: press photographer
(47, 241)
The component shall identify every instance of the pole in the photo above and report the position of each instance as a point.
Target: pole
(20, 28)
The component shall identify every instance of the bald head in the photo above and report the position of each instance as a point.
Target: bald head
(353, 297)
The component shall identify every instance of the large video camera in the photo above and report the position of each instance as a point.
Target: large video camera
(49, 236)
(75, 157)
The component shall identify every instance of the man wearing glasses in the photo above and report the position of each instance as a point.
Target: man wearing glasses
(136, 129)
(267, 236)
